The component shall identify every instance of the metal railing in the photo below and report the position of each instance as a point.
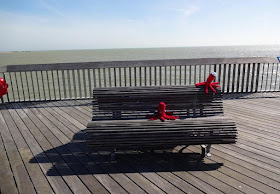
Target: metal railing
(76, 80)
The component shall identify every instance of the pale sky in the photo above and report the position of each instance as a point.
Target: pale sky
(98, 24)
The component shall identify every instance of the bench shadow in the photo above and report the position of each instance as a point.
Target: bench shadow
(74, 158)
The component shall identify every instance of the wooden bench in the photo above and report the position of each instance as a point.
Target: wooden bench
(119, 118)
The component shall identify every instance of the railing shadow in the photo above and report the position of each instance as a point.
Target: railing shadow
(74, 158)
(237, 96)
(48, 104)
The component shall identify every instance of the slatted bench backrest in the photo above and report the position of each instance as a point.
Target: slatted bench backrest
(137, 102)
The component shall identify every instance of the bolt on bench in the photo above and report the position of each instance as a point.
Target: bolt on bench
(119, 119)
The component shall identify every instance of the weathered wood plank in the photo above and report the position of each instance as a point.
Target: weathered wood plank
(65, 152)
(238, 164)
(55, 180)
(202, 172)
(98, 172)
(242, 177)
(243, 155)
(58, 184)
(55, 156)
(153, 177)
(7, 181)
(20, 172)
(165, 174)
(38, 178)
(21, 175)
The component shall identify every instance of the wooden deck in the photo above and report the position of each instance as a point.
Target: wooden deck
(42, 151)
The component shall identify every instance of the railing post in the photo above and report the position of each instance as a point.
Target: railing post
(229, 72)
(257, 76)
(253, 77)
(190, 75)
(271, 77)
(248, 77)
(267, 77)
(224, 79)
(238, 78)
(233, 78)
(220, 72)
(276, 77)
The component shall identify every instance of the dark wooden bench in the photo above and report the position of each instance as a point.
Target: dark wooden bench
(119, 118)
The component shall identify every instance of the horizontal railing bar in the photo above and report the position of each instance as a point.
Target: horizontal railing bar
(139, 63)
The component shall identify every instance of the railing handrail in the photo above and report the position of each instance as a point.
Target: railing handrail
(136, 63)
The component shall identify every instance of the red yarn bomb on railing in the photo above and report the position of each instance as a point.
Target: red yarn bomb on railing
(3, 87)
(209, 83)
(162, 114)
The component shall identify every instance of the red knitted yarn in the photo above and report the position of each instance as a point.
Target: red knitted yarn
(3, 87)
(162, 114)
(209, 83)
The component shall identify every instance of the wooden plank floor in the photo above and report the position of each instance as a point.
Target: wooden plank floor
(42, 151)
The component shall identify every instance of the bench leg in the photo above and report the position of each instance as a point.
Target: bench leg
(205, 150)
(208, 154)
(112, 154)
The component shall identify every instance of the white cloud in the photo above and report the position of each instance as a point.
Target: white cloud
(186, 12)
(190, 10)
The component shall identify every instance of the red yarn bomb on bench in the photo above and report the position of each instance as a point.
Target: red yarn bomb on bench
(162, 114)
(3, 87)
(209, 83)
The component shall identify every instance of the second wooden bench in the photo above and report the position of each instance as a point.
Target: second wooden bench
(119, 118)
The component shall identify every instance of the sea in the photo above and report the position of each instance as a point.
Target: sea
(128, 54)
